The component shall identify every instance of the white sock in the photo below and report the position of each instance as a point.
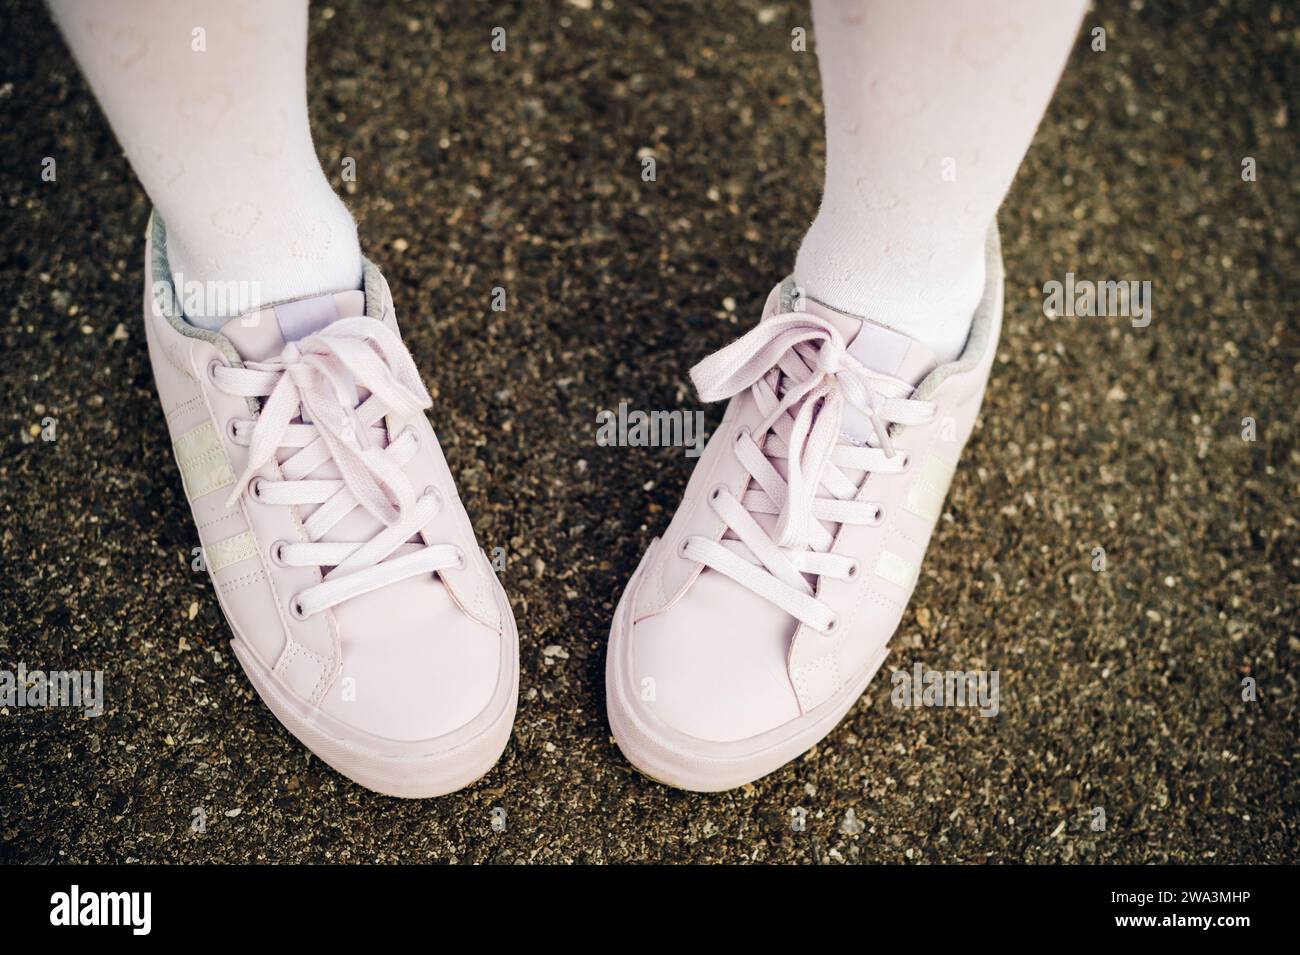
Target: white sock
(220, 140)
(930, 107)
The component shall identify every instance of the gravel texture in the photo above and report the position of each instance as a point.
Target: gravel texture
(1121, 690)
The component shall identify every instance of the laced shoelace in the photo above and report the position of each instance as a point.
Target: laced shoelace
(801, 377)
(328, 396)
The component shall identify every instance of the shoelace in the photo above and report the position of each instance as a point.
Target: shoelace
(328, 396)
(801, 377)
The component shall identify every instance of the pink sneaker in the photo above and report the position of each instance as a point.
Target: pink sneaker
(762, 614)
(362, 609)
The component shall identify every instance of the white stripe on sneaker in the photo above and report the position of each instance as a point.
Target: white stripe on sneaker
(899, 571)
(230, 551)
(925, 496)
(202, 461)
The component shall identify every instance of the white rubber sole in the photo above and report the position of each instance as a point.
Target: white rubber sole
(409, 770)
(673, 758)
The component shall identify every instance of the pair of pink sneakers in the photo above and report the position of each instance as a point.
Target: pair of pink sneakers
(375, 628)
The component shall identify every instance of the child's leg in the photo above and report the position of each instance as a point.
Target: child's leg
(929, 110)
(208, 100)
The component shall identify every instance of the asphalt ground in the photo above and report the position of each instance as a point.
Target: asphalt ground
(1121, 690)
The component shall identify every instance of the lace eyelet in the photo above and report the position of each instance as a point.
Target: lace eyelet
(741, 433)
(295, 609)
(833, 627)
(879, 518)
(255, 490)
(461, 561)
(212, 371)
(681, 548)
(231, 431)
(415, 435)
(717, 492)
(277, 554)
(854, 569)
(907, 463)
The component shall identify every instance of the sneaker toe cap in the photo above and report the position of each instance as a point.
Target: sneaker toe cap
(713, 666)
(415, 667)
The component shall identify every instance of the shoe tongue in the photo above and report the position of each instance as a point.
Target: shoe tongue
(261, 335)
(884, 350)
(881, 349)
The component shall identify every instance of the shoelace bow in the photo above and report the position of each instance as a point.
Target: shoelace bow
(802, 377)
(328, 396)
